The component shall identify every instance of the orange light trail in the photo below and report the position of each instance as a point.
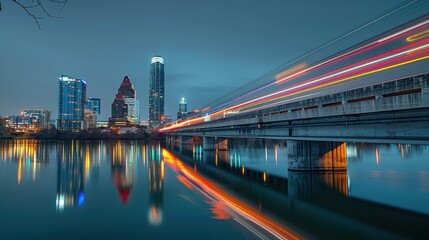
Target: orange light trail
(291, 73)
(418, 36)
(239, 207)
(384, 54)
(341, 80)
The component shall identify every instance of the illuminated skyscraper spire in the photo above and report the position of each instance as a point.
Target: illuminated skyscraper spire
(156, 92)
(183, 111)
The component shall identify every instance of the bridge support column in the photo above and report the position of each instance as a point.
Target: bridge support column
(208, 143)
(316, 156)
(209, 157)
(169, 141)
(222, 144)
(180, 142)
(306, 184)
(184, 140)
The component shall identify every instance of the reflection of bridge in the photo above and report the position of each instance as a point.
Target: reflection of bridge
(378, 89)
(310, 202)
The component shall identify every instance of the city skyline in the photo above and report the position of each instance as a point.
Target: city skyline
(247, 119)
(220, 66)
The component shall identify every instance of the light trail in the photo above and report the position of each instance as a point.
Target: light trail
(407, 45)
(284, 76)
(323, 78)
(418, 36)
(290, 89)
(241, 210)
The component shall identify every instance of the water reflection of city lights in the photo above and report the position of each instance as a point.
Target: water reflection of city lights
(73, 165)
(351, 150)
(81, 199)
(155, 216)
(29, 154)
(60, 202)
(156, 175)
(266, 154)
(377, 156)
(19, 171)
(276, 152)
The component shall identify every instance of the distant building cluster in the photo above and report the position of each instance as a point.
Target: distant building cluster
(77, 112)
(28, 121)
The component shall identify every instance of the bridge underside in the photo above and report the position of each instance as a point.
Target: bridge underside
(408, 125)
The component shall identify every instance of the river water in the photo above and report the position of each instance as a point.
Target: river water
(135, 190)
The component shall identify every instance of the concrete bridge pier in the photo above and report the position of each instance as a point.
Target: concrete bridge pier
(178, 142)
(184, 140)
(215, 143)
(209, 143)
(168, 141)
(222, 144)
(197, 140)
(316, 156)
(310, 184)
(208, 157)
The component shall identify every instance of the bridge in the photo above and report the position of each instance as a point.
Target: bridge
(376, 90)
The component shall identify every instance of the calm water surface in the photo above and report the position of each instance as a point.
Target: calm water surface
(134, 190)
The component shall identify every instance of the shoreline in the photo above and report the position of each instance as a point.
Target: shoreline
(145, 138)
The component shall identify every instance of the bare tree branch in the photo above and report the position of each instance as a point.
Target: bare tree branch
(36, 18)
(38, 4)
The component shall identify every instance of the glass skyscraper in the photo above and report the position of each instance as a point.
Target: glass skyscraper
(156, 92)
(71, 103)
(183, 110)
(94, 104)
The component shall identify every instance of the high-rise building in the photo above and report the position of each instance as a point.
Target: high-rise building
(183, 109)
(90, 119)
(133, 115)
(71, 104)
(156, 92)
(94, 104)
(119, 109)
(125, 107)
(92, 112)
(43, 116)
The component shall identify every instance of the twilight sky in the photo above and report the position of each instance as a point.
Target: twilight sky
(210, 47)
